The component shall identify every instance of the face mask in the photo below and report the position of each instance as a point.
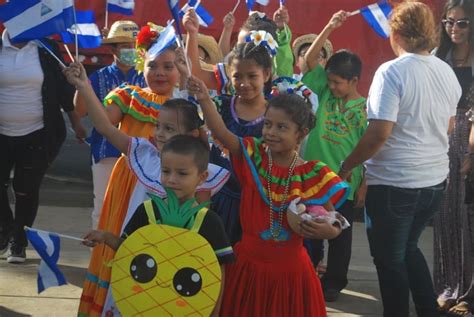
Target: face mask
(127, 56)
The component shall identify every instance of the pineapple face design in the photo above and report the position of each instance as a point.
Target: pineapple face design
(161, 270)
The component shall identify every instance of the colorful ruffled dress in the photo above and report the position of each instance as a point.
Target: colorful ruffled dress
(140, 111)
(275, 278)
(226, 203)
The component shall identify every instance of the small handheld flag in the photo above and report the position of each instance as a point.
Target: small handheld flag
(174, 8)
(166, 39)
(205, 18)
(124, 7)
(48, 246)
(251, 3)
(33, 19)
(88, 33)
(377, 16)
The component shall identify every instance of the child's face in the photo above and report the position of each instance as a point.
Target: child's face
(161, 74)
(180, 174)
(248, 78)
(167, 127)
(340, 87)
(279, 132)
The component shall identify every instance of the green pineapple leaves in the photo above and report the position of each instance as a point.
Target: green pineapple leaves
(174, 214)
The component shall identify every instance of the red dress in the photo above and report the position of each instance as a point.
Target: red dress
(275, 278)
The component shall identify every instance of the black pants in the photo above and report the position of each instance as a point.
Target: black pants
(28, 156)
(339, 252)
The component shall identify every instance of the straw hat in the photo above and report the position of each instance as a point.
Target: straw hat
(209, 44)
(122, 31)
(309, 39)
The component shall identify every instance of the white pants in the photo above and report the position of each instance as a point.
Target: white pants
(100, 177)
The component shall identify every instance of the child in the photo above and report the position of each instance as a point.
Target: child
(273, 275)
(341, 122)
(140, 109)
(301, 46)
(184, 161)
(220, 78)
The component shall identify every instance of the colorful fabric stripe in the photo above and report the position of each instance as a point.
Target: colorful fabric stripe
(316, 185)
(224, 86)
(135, 101)
(94, 279)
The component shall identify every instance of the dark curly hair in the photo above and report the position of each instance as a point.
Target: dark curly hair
(254, 23)
(297, 109)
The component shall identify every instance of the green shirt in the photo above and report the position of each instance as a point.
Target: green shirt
(339, 127)
(284, 56)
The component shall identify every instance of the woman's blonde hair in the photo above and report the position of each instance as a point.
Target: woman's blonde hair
(414, 22)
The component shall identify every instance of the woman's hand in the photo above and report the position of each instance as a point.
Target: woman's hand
(191, 22)
(467, 165)
(76, 75)
(338, 19)
(197, 88)
(359, 198)
(229, 21)
(318, 229)
(281, 17)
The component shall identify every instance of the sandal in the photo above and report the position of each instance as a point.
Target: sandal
(462, 309)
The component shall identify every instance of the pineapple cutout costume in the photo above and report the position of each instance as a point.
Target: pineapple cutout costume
(167, 268)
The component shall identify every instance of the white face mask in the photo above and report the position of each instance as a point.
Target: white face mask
(127, 56)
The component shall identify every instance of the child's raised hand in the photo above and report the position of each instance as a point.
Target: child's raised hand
(197, 88)
(338, 19)
(180, 62)
(76, 75)
(191, 22)
(229, 21)
(281, 17)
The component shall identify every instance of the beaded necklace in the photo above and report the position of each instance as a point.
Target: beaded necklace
(275, 230)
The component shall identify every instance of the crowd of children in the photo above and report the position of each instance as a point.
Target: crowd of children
(265, 142)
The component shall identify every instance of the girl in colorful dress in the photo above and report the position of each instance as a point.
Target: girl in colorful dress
(137, 110)
(273, 275)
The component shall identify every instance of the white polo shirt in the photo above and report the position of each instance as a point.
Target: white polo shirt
(21, 80)
(419, 94)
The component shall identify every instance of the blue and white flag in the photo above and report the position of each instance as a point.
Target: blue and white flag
(88, 34)
(166, 39)
(251, 3)
(205, 18)
(28, 20)
(377, 16)
(47, 245)
(174, 8)
(124, 7)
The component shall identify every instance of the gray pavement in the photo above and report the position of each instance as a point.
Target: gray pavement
(18, 295)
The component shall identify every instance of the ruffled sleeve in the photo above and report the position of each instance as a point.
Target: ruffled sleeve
(314, 182)
(133, 100)
(144, 161)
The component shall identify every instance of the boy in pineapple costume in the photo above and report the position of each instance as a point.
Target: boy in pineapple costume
(169, 261)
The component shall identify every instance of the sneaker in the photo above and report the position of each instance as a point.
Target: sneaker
(17, 253)
(331, 295)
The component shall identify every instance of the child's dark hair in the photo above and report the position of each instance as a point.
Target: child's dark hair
(255, 23)
(188, 145)
(259, 54)
(344, 64)
(296, 107)
(186, 111)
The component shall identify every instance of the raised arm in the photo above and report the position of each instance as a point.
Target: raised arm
(76, 75)
(224, 40)
(312, 54)
(213, 119)
(191, 24)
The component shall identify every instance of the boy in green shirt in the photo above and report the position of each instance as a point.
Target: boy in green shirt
(341, 120)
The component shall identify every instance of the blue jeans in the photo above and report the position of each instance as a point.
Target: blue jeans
(396, 218)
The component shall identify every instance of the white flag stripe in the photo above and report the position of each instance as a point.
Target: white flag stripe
(22, 22)
(48, 277)
(47, 241)
(85, 29)
(380, 17)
